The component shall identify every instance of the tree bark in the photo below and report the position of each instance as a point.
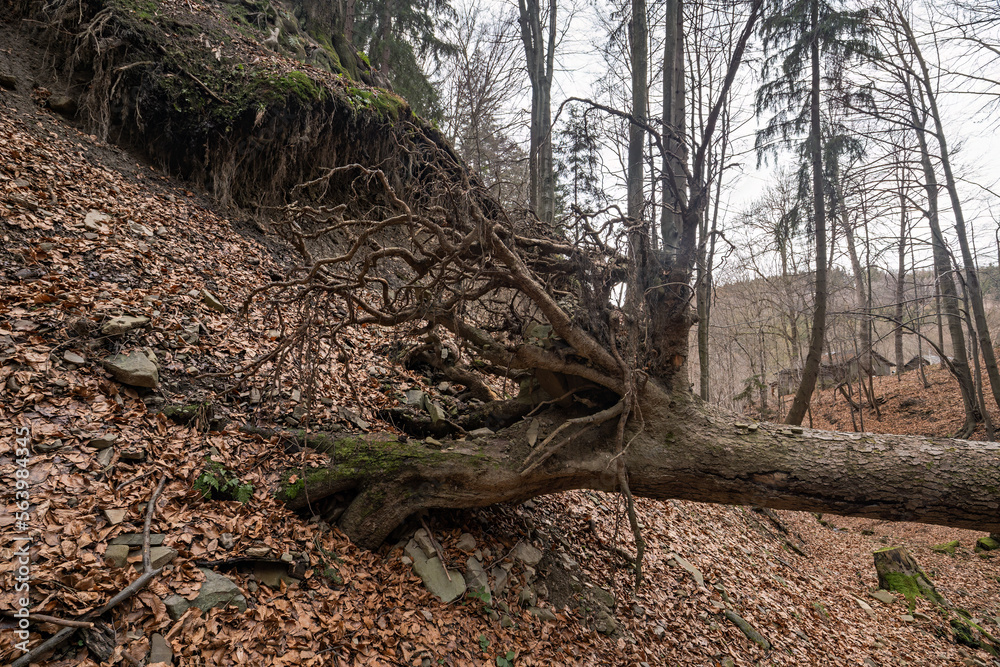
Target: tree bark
(685, 449)
(971, 274)
(810, 371)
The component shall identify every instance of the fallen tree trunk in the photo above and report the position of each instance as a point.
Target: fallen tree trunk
(685, 449)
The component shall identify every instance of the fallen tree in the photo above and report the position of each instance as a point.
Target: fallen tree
(393, 230)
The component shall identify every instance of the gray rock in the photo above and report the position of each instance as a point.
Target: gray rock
(884, 597)
(63, 104)
(466, 542)
(477, 581)
(427, 615)
(8, 81)
(481, 432)
(114, 516)
(134, 540)
(123, 324)
(160, 650)
(94, 222)
(414, 397)
(133, 369)
(605, 623)
(116, 555)
(542, 614)
(226, 541)
(867, 607)
(423, 540)
(506, 622)
(74, 358)
(432, 573)
(659, 631)
(176, 606)
(103, 442)
(162, 231)
(160, 556)
(500, 576)
(527, 554)
(259, 552)
(133, 454)
(104, 457)
(212, 302)
(527, 597)
(219, 591)
(434, 410)
(691, 569)
(139, 229)
(604, 597)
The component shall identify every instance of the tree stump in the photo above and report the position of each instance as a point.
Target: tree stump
(898, 571)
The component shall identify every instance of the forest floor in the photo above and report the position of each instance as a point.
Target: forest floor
(89, 233)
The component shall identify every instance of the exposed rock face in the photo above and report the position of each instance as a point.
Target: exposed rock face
(123, 324)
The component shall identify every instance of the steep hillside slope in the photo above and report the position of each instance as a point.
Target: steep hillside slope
(91, 233)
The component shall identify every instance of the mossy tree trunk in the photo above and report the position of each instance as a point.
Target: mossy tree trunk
(685, 449)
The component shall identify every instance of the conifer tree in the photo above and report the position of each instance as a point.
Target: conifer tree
(802, 38)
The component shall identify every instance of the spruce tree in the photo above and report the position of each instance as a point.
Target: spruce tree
(802, 38)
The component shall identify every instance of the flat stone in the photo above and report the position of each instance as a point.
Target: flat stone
(542, 614)
(906, 618)
(432, 573)
(117, 326)
(219, 591)
(160, 650)
(160, 556)
(987, 544)
(74, 358)
(423, 540)
(116, 555)
(103, 442)
(527, 554)
(884, 597)
(8, 81)
(176, 606)
(104, 457)
(500, 576)
(477, 581)
(481, 432)
(414, 397)
(213, 302)
(506, 622)
(139, 229)
(114, 516)
(272, 574)
(133, 454)
(527, 597)
(946, 548)
(227, 541)
(428, 616)
(466, 542)
(258, 552)
(162, 231)
(691, 569)
(133, 369)
(867, 607)
(134, 540)
(94, 221)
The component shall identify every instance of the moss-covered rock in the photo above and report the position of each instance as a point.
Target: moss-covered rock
(946, 548)
(898, 571)
(987, 544)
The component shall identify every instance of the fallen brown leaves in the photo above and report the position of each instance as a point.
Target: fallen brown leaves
(63, 279)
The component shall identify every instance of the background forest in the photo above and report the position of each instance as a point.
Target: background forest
(538, 101)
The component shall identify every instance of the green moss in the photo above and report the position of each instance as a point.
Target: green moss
(364, 58)
(946, 548)
(299, 84)
(388, 106)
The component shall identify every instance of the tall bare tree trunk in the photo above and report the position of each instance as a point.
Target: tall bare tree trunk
(810, 372)
(539, 51)
(943, 275)
(675, 149)
(897, 333)
(971, 274)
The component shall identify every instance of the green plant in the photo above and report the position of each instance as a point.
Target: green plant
(506, 660)
(218, 482)
(484, 643)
